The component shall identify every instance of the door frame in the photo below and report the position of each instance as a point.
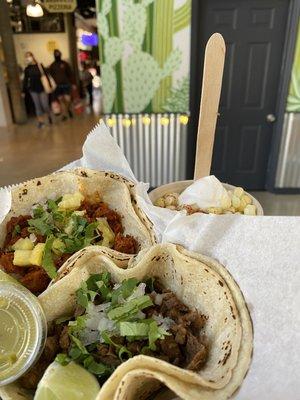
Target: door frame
(283, 87)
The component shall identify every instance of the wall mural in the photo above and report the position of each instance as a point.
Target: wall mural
(293, 100)
(144, 55)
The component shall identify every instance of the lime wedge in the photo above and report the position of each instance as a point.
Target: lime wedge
(70, 382)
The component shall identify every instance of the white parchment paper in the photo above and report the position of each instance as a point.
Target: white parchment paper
(263, 256)
(262, 253)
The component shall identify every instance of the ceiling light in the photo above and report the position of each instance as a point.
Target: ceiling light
(34, 10)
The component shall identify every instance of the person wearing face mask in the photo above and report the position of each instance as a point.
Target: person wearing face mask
(62, 74)
(32, 83)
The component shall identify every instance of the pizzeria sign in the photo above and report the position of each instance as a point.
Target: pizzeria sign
(56, 6)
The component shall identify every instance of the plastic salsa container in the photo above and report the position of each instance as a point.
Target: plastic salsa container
(23, 329)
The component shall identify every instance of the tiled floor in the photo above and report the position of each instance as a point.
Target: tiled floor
(279, 204)
(27, 152)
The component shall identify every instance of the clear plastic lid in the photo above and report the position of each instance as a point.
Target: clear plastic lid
(23, 331)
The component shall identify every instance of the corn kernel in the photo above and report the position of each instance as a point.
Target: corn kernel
(247, 199)
(171, 207)
(170, 200)
(250, 209)
(243, 204)
(215, 210)
(236, 202)
(238, 192)
(225, 201)
(160, 202)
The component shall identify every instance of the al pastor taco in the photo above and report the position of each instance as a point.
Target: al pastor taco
(173, 317)
(58, 215)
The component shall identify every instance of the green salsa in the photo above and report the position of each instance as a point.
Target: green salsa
(22, 330)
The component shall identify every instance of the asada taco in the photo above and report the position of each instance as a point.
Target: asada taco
(174, 317)
(58, 215)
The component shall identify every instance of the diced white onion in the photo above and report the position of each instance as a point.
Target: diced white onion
(165, 323)
(32, 237)
(158, 298)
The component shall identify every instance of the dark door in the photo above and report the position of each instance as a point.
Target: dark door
(254, 32)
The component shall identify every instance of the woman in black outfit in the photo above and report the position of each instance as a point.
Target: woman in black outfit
(32, 83)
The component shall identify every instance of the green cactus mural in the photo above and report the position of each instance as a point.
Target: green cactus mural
(141, 55)
(179, 97)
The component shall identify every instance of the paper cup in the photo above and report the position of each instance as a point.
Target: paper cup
(180, 186)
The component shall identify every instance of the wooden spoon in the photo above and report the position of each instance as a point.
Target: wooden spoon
(210, 96)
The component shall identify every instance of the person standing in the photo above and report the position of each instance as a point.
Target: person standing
(62, 74)
(32, 83)
(87, 82)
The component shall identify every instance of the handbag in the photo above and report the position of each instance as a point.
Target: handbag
(47, 81)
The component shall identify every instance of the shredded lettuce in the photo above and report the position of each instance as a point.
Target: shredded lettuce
(119, 314)
(77, 325)
(124, 290)
(129, 309)
(135, 329)
(155, 332)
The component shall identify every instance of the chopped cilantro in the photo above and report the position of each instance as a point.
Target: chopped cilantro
(124, 310)
(150, 283)
(63, 359)
(61, 320)
(47, 262)
(16, 230)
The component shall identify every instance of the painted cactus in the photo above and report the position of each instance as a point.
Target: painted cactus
(142, 76)
(113, 48)
(141, 72)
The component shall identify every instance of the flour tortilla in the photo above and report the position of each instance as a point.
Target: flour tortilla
(118, 192)
(200, 283)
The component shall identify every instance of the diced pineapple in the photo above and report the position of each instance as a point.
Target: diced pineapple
(250, 209)
(23, 244)
(58, 246)
(80, 213)
(236, 202)
(238, 192)
(107, 234)
(22, 258)
(71, 201)
(36, 257)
